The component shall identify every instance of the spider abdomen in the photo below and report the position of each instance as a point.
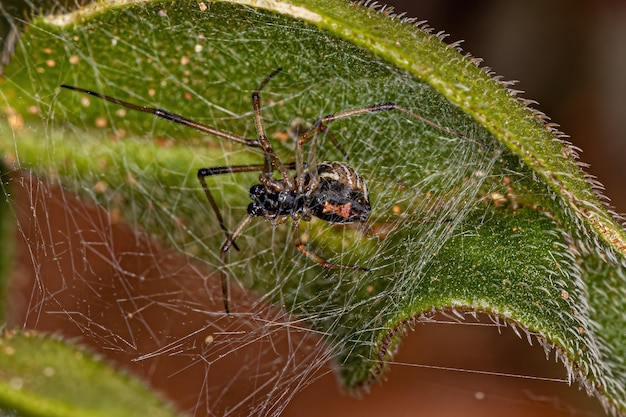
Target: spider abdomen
(340, 195)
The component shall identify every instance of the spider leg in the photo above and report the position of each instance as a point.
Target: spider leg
(172, 117)
(320, 124)
(207, 172)
(271, 159)
(230, 241)
(319, 127)
(317, 259)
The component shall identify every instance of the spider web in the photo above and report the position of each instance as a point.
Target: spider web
(127, 258)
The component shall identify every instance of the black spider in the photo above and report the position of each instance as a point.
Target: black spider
(331, 191)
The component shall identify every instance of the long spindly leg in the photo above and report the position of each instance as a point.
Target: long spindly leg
(230, 241)
(172, 117)
(271, 159)
(320, 124)
(207, 172)
(318, 259)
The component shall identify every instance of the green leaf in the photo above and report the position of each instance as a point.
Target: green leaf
(45, 376)
(504, 223)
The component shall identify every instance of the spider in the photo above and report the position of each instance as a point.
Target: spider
(331, 191)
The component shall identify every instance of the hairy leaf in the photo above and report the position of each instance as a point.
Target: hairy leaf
(496, 217)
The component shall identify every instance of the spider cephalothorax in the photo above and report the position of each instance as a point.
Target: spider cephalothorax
(331, 191)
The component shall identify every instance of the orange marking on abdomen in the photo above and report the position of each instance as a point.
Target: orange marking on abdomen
(341, 210)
